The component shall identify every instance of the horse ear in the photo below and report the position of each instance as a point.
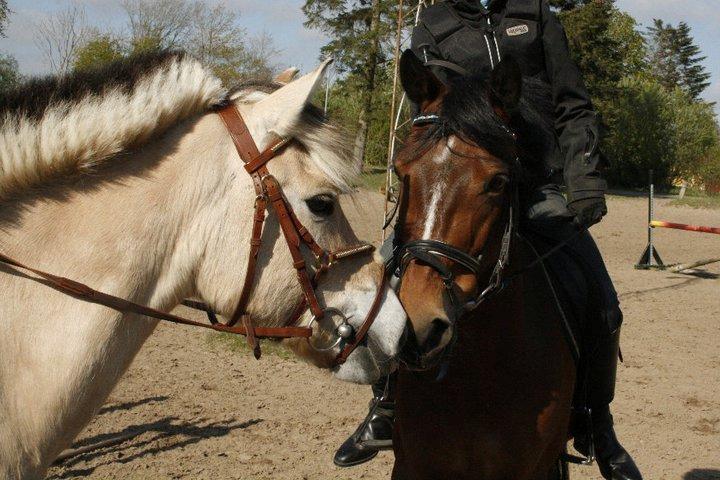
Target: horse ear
(506, 84)
(286, 76)
(280, 111)
(418, 81)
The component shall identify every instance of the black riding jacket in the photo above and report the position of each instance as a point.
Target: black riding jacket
(530, 32)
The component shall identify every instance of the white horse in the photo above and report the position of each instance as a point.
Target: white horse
(130, 184)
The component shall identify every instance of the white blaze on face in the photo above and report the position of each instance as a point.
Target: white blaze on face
(436, 195)
(432, 210)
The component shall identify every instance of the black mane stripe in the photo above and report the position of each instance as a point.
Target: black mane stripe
(58, 126)
(32, 98)
(55, 127)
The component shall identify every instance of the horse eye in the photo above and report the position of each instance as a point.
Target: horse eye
(322, 205)
(497, 184)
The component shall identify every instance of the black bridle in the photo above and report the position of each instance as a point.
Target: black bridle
(435, 252)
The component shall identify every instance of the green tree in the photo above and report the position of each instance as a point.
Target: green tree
(660, 129)
(709, 171)
(217, 40)
(361, 33)
(139, 45)
(3, 16)
(9, 75)
(209, 32)
(694, 133)
(598, 53)
(565, 5)
(694, 78)
(631, 43)
(641, 137)
(675, 58)
(662, 54)
(100, 49)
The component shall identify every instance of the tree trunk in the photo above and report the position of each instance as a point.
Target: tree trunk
(361, 139)
(369, 87)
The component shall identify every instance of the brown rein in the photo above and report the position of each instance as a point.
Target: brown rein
(268, 194)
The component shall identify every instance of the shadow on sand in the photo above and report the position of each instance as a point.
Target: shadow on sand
(702, 474)
(117, 407)
(166, 434)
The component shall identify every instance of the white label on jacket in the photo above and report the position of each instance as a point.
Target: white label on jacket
(517, 30)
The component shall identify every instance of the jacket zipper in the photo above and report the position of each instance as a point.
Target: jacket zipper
(492, 31)
(487, 43)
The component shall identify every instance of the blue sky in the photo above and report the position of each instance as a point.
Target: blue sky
(300, 46)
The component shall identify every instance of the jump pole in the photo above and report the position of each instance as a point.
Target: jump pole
(682, 226)
(681, 267)
(651, 254)
(650, 257)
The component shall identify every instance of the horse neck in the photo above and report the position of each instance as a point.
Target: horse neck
(137, 231)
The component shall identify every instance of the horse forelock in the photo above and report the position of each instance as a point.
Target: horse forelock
(57, 126)
(328, 147)
(466, 111)
(324, 142)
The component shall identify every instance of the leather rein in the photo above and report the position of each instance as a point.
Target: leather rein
(269, 196)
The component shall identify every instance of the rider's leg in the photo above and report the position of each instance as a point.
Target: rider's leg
(375, 432)
(548, 213)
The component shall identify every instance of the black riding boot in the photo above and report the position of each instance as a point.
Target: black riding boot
(614, 461)
(375, 432)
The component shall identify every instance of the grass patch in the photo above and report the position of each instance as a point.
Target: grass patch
(373, 181)
(238, 344)
(697, 202)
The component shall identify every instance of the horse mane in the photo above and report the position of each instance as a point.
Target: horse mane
(467, 111)
(60, 125)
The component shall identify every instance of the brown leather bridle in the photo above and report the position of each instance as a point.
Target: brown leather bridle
(268, 194)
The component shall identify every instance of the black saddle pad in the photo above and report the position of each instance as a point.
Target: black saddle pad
(571, 287)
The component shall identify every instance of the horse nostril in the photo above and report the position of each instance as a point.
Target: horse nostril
(437, 330)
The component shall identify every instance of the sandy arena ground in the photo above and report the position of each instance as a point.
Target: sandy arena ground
(208, 413)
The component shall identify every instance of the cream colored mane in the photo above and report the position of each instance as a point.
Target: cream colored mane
(56, 127)
(72, 130)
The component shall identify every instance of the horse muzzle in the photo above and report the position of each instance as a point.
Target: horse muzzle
(424, 354)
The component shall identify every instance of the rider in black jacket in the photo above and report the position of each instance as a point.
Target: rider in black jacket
(457, 37)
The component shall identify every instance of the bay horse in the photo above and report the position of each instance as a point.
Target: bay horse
(127, 179)
(484, 390)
